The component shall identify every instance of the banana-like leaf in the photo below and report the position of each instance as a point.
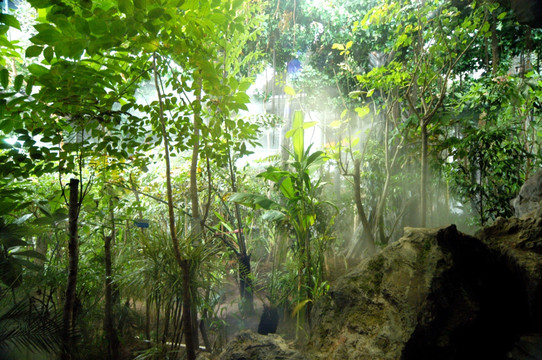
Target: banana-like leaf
(254, 201)
(273, 215)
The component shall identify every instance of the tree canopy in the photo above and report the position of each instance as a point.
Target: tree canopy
(130, 155)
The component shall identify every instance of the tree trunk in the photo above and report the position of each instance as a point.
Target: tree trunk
(183, 263)
(494, 44)
(73, 263)
(147, 295)
(187, 311)
(196, 232)
(308, 278)
(109, 322)
(424, 175)
(109, 326)
(245, 280)
(359, 204)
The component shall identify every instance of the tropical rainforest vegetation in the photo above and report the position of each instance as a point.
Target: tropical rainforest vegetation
(129, 211)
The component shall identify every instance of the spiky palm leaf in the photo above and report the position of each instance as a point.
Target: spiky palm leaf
(26, 326)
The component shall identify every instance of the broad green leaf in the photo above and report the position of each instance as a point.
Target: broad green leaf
(140, 4)
(253, 200)
(41, 4)
(18, 82)
(288, 90)
(27, 264)
(48, 54)
(370, 92)
(29, 253)
(30, 84)
(82, 25)
(298, 135)
(273, 215)
(33, 51)
(47, 36)
(300, 306)
(97, 26)
(156, 13)
(4, 78)
(362, 111)
(485, 27)
(308, 125)
(287, 187)
(335, 124)
(218, 18)
(126, 6)
(86, 4)
(10, 20)
(314, 157)
(355, 94)
(237, 3)
(37, 70)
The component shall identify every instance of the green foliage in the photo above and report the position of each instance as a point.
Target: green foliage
(70, 105)
(487, 170)
(26, 325)
(298, 209)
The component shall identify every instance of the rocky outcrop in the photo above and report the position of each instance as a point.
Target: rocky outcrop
(249, 345)
(434, 294)
(517, 243)
(529, 198)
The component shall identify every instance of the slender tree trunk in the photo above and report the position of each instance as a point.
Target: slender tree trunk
(147, 317)
(245, 279)
(494, 44)
(183, 263)
(109, 326)
(187, 311)
(147, 295)
(308, 278)
(359, 204)
(245, 282)
(109, 322)
(196, 233)
(73, 263)
(424, 175)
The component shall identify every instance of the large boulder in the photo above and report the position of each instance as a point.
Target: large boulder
(517, 244)
(434, 294)
(529, 198)
(249, 345)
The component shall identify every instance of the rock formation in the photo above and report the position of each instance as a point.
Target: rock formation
(529, 197)
(249, 345)
(436, 294)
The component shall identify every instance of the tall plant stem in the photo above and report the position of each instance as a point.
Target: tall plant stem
(424, 175)
(183, 263)
(243, 258)
(109, 325)
(73, 263)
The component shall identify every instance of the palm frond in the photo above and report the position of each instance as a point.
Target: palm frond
(25, 325)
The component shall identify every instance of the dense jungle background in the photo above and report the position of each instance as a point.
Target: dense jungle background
(172, 168)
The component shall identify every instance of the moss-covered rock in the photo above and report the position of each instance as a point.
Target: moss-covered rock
(248, 345)
(434, 294)
(372, 312)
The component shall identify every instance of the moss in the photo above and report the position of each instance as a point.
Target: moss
(426, 248)
(375, 273)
